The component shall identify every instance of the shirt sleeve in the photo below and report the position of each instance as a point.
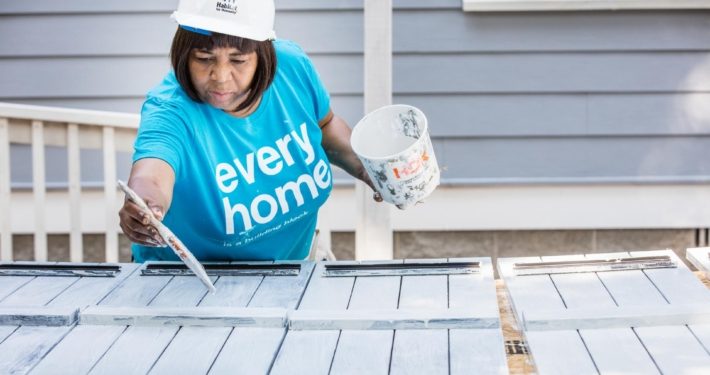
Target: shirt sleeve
(161, 134)
(315, 86)
(320, 93)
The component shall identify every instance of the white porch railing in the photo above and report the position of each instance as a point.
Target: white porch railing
(75, 130)
(465, 207)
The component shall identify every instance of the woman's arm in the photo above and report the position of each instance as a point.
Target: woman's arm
(152, 179)
(336, 143)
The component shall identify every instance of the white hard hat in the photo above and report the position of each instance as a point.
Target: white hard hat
(251, 19)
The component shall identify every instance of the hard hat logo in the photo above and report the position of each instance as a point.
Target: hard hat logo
(228, 6)
(251, 19)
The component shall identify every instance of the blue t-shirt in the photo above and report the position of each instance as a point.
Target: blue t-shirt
(245, 188)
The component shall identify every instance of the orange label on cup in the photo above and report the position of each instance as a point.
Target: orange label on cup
(411, 167)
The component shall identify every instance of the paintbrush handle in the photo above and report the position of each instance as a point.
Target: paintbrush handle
(134, 197)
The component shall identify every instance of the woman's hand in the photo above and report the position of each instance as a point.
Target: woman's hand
(153, 181)
(135, 223)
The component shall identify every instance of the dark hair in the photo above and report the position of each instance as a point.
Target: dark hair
(185, 41)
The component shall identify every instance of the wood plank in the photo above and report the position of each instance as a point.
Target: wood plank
(79, 350)
(680, 351)
(9, 284)
(27, 346)
(327, 293)
(39, 190)
(39, 292)
(389, 320)
(479, 350)
(6, 331)
(528, 292)
(283, 291)
(234, 291)
(595, 317)
(675, 349)
(90, 290)
(363, 352)
(420, 351)
(628, 288)
(304, 352)
(5, 229)
(162, 292)
(701, 331)
(699, 258)
(136, 290)
(559, 352)
(184, 316)
(618, 351)
(375, 292)
(181, 291)
(183, 356)
(678, 285)
(368, 352)
(424, 292)
(249, 351)
(76, 249)
(109, 156)
(582, 291)
(474, 291)
(38, 316)
(417, 350)
(579, 289)
(135, 351)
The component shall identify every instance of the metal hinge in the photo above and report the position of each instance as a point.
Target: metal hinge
(401, 269)
(222, 269)
(593, 265)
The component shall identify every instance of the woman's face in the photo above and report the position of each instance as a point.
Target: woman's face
(222, 76)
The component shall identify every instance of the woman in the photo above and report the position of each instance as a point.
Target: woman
(241, 134)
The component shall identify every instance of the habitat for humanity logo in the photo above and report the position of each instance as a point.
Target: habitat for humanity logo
(229, 6)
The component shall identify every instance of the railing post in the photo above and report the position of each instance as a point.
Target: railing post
(5, 229)
(76, 250)
(39, 191)
(373, 232)
(110, 194)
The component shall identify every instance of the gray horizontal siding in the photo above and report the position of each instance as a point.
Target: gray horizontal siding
(141, 34)
(510, 97)
(619, 158)
(572, 73)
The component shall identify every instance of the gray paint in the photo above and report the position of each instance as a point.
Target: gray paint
(38, 316)
(388, 320)
(511, 97)
(166, 316)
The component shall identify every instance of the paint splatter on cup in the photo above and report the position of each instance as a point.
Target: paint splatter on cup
(394, 146)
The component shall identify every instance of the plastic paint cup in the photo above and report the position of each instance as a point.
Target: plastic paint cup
(394, 146)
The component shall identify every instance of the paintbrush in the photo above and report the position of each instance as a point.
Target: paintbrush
(170, 238)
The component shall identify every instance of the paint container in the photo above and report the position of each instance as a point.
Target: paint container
(394, 146)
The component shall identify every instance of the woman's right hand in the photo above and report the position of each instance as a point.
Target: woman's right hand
(135, 223)
(153, 180)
